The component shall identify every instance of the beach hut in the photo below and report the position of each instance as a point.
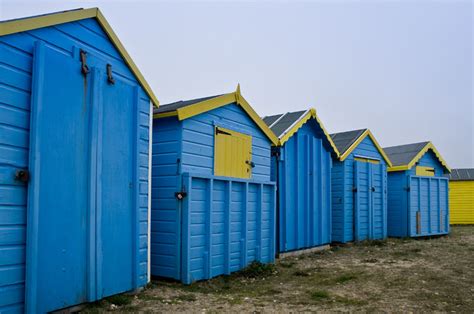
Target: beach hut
(359, 188)
(302, 169)
(461, 196)
(213, 201)
(74, 159)
(418, 202)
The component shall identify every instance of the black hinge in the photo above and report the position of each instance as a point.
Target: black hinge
(84, 68)
(250, 163)
(22, 175)
(354, 189)
(373, 189)
(110, 78)
(219, 131)
(407, 188)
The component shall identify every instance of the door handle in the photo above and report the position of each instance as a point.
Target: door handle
(22, 175)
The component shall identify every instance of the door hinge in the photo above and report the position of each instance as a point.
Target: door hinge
(407, 188)
(250, 163)
(84, 67)
(110, 78)
(373, 189)
(22, 175)
(354, 189)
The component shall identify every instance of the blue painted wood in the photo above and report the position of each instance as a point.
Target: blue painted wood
(16, 89)
(409, 194)
(215, 229)
(304, 170)
(359, 196)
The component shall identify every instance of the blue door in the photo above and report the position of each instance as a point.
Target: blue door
(58, 194)
(369, 201)
(82, 242)
(116, 183)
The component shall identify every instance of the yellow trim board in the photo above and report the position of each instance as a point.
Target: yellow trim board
(359, 140)
(372, 161)
(26, 24)
(219, 101)
(310, 114)
(424, 171)
(418, 156)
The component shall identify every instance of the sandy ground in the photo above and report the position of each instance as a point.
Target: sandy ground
(397, 275)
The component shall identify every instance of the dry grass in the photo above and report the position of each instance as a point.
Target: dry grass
(396, 275)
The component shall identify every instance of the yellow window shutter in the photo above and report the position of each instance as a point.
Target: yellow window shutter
(232, 154)
(425, 171)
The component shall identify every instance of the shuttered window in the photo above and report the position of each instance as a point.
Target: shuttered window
(425, 171)
(232, 154)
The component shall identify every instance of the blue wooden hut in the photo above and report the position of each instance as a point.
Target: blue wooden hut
(418, 192)
(302, 168)
(213, 201)
(74, 156)
(359, 183)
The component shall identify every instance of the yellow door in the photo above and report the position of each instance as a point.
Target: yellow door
(461, 202)
(232, 154)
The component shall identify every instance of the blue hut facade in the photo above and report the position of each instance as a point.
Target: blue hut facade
(213, 201)
(74, 163)
(418, 191)
(359, 188)
(301, 166)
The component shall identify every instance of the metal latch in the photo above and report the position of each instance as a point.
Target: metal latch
(250, 163)
(180, 195)
(373, 189)
(84, 68)
(110, 78)
(22, 175)
(354, 189)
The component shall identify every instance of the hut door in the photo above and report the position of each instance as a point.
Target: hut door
(58, 193)
(82, 195)
(369, 200)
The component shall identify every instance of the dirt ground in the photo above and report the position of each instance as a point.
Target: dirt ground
(397, 275)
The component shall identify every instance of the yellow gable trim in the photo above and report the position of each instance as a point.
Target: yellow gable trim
(418, 156)
(359, 140)
(26, 24)
(310, 114)
(214, 103)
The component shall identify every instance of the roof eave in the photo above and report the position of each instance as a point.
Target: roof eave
(26, 24)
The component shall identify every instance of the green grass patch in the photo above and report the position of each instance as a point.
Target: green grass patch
(345, 278)
(120, 299)
(256, 270)
(186, 297)
(319, 295)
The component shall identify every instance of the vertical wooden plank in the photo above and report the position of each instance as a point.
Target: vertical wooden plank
(227, 227)
(273, 224)
(370, 200)
(186, 219)
(408, 205)
(243, 240)
(208, 269)
(93, 180)
(320, 192)
(383, 177)
(307, 193)
(314, 198)
(297, 194)
(429, 205)
(98, 244)
(418, 219)
(440, 217)
(259, 222)
(136, 190)
(356, 201)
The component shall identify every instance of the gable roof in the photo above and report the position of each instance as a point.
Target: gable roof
(189, 108)
(287, 124)
(405, 156)
(347, 141)
(30, 23)
(466, 174)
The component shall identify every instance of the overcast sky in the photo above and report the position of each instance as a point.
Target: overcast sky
(404, 69)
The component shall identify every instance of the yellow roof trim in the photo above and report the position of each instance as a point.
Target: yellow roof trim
(311, 113)
(359, 140)
(26, 24)
(216, 102)
(420, 154)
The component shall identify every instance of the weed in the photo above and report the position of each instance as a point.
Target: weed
(374, 243)
(301, 273)
(345, 278)
(288, 264)
(319, 295)
(257, 269)
(120, 299)
(186, 297)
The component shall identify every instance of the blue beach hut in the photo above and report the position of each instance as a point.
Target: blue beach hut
(359, 188)
(74, 154)
(213, 201)
(418, 191)
(302, 169)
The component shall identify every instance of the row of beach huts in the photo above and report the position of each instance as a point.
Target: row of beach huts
(101, 188)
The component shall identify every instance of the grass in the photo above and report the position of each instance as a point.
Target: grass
(319, 295)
